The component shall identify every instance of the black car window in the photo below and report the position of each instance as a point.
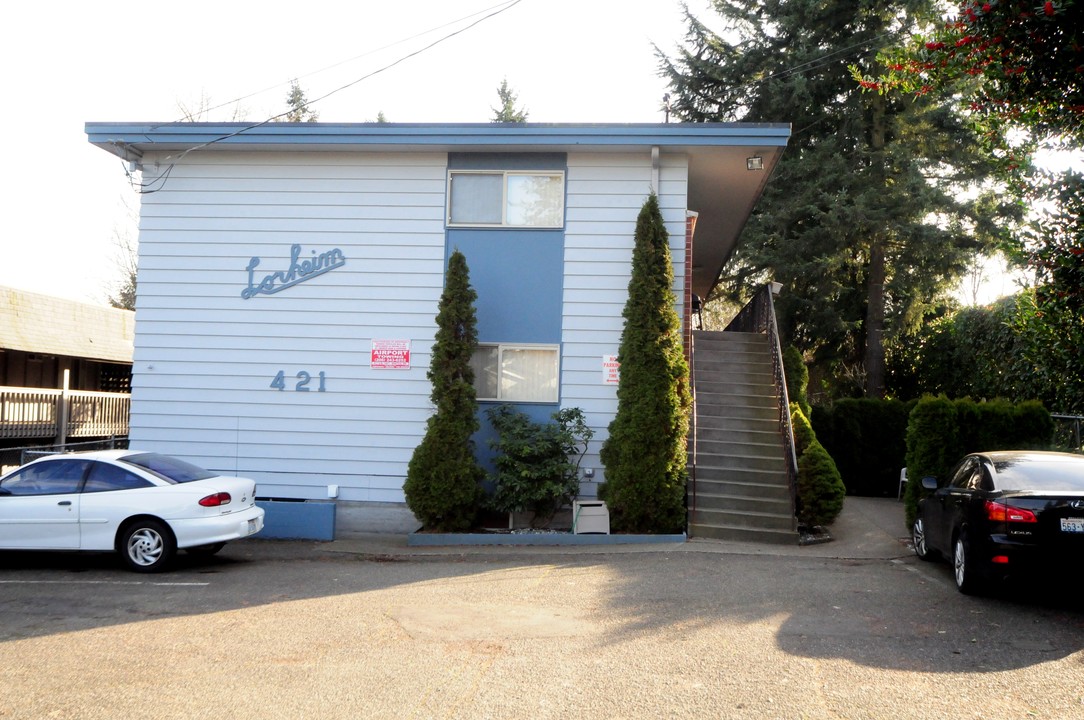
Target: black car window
(168, 468)
(104, 477)
(963, 475)
(49, 477)
(1040, 476)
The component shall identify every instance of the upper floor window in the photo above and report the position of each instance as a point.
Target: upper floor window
(506, 199)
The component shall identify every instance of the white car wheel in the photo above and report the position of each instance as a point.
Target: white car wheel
(147, 546)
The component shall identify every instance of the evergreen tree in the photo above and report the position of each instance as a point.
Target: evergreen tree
(865, 220)
(299, 106)
(443, 485)
(508, 112)
(645, 453)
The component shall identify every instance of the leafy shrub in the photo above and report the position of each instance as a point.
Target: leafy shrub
(537, 463)
(803, 431)
(820, 488)
(797, 376)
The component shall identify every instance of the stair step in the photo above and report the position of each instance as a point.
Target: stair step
(727, 423)
(737, 389)
(739, 478)
(733, 518)
(709, 463)
(716, 442)
(771, 505)
(706, 408)
(755, 438)
(740, 489)
(743, 534)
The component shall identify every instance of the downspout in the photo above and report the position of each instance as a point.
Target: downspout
(655, 170)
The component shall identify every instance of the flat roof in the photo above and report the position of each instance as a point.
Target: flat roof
(722, 190)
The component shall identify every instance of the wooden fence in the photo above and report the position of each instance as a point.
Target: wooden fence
(35, 413)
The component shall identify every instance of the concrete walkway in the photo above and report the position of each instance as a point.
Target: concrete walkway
(867, 528)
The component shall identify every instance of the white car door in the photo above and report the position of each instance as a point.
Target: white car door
(39, 505)
(110, 495)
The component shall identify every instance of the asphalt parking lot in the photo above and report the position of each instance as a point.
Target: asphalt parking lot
(367, 628)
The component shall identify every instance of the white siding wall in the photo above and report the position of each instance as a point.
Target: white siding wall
(205, 357)
(605, 194)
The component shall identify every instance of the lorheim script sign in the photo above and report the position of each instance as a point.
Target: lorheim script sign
(298, 272)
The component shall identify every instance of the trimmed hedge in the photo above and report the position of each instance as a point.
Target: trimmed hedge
(941, 431)
(866, 438)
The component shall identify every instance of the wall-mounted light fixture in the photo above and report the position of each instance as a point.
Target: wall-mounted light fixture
(754, 163)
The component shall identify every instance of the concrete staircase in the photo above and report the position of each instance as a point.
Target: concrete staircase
(738, 486)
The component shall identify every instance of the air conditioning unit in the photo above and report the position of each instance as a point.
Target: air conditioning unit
(590, 516)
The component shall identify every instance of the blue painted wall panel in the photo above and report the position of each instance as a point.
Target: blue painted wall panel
(519, 278)
(507, 161)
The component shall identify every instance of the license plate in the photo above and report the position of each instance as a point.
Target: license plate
(1073, 525)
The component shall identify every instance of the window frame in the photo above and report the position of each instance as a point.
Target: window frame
(501, 348)
(505, 174)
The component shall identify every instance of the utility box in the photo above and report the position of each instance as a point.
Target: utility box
(590, 516)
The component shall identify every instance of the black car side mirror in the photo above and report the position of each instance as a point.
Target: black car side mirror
(929, 482)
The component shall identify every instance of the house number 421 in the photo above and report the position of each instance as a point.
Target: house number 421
(304, 379)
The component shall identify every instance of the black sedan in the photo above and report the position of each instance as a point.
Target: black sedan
(1000, 513)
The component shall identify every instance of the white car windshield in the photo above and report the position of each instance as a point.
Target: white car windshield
(168, 468)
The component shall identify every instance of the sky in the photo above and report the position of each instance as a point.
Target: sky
(66, 203)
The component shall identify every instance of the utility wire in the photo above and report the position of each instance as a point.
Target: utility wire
(356, 57)
(142, 188)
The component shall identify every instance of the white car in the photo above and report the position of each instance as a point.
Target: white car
(141, 504)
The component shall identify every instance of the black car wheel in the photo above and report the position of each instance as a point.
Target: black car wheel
(918, 537)
(147, 546)
(969, 577)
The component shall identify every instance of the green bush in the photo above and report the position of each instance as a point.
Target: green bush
(941, 431)
(443, 485)
(645, 455)
(820, 488)
(932, 447)
(1034, 426)
(537, 463)
(803, 431)
(867, 439)
(797, 376)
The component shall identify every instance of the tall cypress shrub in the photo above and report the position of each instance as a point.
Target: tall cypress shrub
(645, 454)
(443, 485)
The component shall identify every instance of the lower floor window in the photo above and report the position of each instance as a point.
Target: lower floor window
(516, 373)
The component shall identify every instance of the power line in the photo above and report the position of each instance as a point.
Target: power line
(160, 180)
(358, 57)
